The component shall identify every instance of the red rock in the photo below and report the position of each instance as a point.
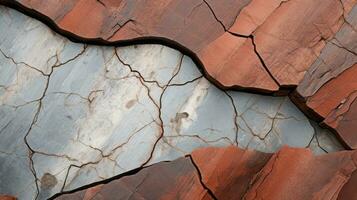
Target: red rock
(228, 171)
(297, 174)
(328, 90)
(348, 191)
(7, 197)
(290, 39)
(335, 103)
(168, 180)
(232, 173)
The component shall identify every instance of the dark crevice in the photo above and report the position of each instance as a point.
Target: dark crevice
(126, 174)
(236, 126)
(262, 61)
(258, 176)
(185, 83)
(251, 36)
(120, 27)
(101, 2)
(214, 15)
(209, 191)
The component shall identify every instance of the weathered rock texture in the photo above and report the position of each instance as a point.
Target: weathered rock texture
(104, 111)
(232, 173)
(258, 45)
(329, 88)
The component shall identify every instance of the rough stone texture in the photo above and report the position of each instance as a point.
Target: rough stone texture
(265, 46)
(225, 35)
(232, 173)
(329, 88)
(95, 106)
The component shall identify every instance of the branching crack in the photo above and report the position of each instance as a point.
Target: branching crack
(236, 126)
(162, 130)
(120, 27)
(35, 118)
(262, 61)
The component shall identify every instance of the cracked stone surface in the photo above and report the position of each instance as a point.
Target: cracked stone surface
(266, 46)
(233, 173)
(231, 38)
(73, 114)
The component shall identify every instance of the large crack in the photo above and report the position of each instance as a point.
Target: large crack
(236, 126)
(251, 37)
(258, 177)
(209, 191)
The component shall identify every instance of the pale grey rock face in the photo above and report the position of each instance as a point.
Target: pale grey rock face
(72, 114)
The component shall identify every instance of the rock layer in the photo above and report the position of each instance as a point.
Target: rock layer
(232, 173)
(329, 88)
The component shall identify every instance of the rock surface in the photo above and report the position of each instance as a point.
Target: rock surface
(225, 35)
(233, 173)
(329, 88)
(267, 46)
(94, 106)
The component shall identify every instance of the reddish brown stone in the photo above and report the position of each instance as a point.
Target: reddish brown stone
(348, 191)
(329, 88)
(287, 34)
(228, 171)
(335, 103)
(297, 174)
(7, 197)
(232, 173)
(291, 38)
(171, 180)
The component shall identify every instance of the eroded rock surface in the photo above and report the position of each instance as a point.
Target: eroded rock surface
(103, 111)
(233, 173)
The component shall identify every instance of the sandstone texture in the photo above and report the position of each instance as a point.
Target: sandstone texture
(266, 46)
(233, 173)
